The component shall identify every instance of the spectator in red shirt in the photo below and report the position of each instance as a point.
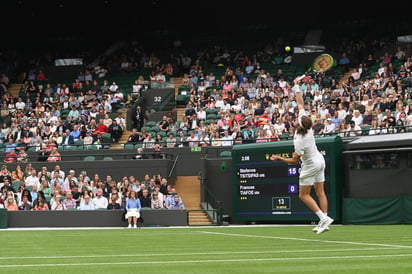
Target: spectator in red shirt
(101, 127)
(11, 156)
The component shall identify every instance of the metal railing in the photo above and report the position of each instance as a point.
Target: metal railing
(209, 202)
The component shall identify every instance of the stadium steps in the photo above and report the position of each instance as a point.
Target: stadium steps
(188, 187)
(177, 81)
(345, 77)
(14, 90)
(125, 135)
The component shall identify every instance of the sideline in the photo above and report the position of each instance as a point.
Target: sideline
(306, 240)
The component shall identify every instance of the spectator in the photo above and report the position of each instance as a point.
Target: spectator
(25, 203)
(149, 141)
(177, 203)
(54, 155)
(157, 153)
(41, 205)
(353, 130)
(11, 156)
(227, 139)
(11, 204)
(171, 141)
(69, 202)
(145, 199)
(86, 204)
(133, 137)
(57, 203)
(156, 201)
(113, 205)
(88, 139)
(140, 154)
(329, 127)
(67, 138)
(133, 208)
(100, 201)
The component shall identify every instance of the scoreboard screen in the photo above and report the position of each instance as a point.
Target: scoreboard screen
(267, 190)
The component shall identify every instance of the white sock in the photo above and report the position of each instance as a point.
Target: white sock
(321, 215)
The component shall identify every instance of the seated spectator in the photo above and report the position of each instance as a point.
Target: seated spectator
(41, 205)
(86, 204)
(57, 203)
(140, 155)
(133, 137)
(156, 202)
(25, 203)
(145, 199)
(11, 156)
(54, 155)
(177, 203)
(69, 202)
(171, 141)
(100, 201)
(353, 130)
(227, 139)
(133, 208)
(157, 153)
(113, 204)
(11, 204)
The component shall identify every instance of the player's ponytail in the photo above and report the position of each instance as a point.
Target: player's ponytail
(305, 123)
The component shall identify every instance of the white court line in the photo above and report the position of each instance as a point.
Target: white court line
(191, 253)
(303, 239)
(211, 261)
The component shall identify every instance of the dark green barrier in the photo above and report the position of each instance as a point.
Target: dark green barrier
(396, 210)
(3, 218)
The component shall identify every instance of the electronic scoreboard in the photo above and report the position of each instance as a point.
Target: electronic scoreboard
(269, 191)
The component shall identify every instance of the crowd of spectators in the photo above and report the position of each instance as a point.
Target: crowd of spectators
(26, 188)
(260, 106)
(253, 102)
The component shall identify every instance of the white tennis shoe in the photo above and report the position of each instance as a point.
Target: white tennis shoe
(324, 224)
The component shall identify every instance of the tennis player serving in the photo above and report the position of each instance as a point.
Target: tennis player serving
(312, 162)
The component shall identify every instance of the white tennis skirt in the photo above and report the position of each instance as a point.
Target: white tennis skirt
(133, 212)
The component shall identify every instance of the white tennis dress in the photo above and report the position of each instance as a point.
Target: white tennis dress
(313, 162)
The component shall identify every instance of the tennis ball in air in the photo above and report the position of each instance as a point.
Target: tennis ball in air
(287, 48)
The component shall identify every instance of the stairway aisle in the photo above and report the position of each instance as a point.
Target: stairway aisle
(14, 90)
(344, 79)
(188, 187)
(177, 81)
(125, 135)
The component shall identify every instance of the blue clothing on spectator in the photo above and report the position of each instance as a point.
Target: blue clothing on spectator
(133, 203)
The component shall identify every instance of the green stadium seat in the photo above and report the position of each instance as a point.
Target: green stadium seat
(89, 158)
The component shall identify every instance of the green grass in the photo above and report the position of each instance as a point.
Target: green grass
(226, 249)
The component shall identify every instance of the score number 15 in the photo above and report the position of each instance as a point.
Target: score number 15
(293, 171)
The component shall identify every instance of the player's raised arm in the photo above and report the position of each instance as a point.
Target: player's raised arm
(298, 93)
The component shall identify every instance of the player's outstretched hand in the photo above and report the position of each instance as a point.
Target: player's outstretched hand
(274, 158)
